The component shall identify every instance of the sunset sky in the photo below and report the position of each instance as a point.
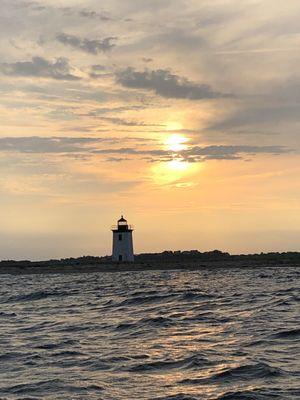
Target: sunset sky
(183, 115)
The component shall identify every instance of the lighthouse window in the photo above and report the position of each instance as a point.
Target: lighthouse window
(120, 236)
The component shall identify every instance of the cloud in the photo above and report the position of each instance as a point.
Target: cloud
(166, 84)
(98, 67)
(133, 151)
(117, 159)
(28, 4)
(199, 154)
(106, 110)
(147, 59)
(93, 14)
(85, 13)
(40, 67)
(56, 144)
(124, 122)
(37, 144)
(251, 116)
(92, 46)
(91, 145)
(98, 72)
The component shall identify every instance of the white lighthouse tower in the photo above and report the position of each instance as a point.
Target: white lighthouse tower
(122, 241)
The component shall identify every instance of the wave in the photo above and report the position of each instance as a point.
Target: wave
(260, 394)
(7, 314)
(11, 355)
(67, 353)
(157, 321)
(287, 334)
(193, 295)
(35, 296)
(208, 316)
(48, 386)
(146, 299)
(179, 396)
(156, 335)
(53, 346)
(251, 371)
(40, 386)
(189, 363)
(242, 372)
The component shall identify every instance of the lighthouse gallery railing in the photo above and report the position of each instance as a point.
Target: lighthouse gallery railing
(117, 227)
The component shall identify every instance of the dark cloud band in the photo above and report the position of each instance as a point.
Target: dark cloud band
(90, 145)
(165, 84)
(59, 69)
(92, 46)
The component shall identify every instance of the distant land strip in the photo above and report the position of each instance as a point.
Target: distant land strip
(167, 260)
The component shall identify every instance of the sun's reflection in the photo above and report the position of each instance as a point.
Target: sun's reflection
(172, 171)
(177, 165)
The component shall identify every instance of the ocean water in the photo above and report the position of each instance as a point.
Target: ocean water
(210, 334)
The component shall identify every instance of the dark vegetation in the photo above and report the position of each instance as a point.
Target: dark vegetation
(165, 260)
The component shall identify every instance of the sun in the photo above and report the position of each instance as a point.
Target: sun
(175, 167)
(176, 142)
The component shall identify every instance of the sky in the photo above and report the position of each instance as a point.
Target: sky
(183, 115)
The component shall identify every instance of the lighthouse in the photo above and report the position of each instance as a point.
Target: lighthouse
(122, 241)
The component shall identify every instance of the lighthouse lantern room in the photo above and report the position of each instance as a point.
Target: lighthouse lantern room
(122, 241)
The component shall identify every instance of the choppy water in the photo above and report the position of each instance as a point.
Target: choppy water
(214, 334)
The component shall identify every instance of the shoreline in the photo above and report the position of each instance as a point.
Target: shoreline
(138, 267)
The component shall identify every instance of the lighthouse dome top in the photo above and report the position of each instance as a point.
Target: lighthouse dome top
(122, 225)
